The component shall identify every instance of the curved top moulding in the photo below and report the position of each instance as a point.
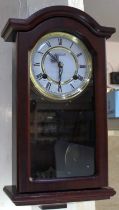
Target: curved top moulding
(16, 25)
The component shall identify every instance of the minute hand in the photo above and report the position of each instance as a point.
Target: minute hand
(60, 65)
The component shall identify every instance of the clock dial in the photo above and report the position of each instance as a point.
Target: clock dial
(60, 66)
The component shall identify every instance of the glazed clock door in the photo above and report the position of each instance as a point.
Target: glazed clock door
(62, 131)
(60, 143)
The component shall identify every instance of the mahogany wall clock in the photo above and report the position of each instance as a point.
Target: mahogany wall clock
(59, 107)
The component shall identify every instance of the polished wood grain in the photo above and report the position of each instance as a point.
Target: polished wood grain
(97, 47)
(57, 197)
(26, 33)
(15, 25)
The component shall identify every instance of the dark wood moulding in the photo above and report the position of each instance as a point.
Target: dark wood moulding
(57, 197)
(16, 25)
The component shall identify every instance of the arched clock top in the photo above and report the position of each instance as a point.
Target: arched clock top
(16, 25)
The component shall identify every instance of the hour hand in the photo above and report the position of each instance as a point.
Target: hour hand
(54, 58)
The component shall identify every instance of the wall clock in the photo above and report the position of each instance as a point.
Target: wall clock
(59, 107)
(60, 52)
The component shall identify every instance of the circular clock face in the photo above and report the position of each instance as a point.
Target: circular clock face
(60, 66)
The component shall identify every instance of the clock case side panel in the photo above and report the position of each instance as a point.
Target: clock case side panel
(101, 115)
(14, 113)
(20, 113)
(28, 39)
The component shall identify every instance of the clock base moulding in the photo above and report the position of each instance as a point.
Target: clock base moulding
(58, 197)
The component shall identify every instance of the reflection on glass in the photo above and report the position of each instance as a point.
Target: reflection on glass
(62, 140)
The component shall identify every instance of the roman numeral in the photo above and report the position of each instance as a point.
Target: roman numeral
(79, 54)
(48, 86)
(39, 76)
(59, 88)
(36, 64)
(71, 45)
(72, 86)
(40, 52)
(80, 77)
(60, 41)
(82, 66)
(48, 44)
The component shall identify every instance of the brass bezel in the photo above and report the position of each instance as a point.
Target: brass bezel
(78, 91)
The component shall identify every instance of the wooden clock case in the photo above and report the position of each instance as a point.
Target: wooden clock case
(24, 34)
